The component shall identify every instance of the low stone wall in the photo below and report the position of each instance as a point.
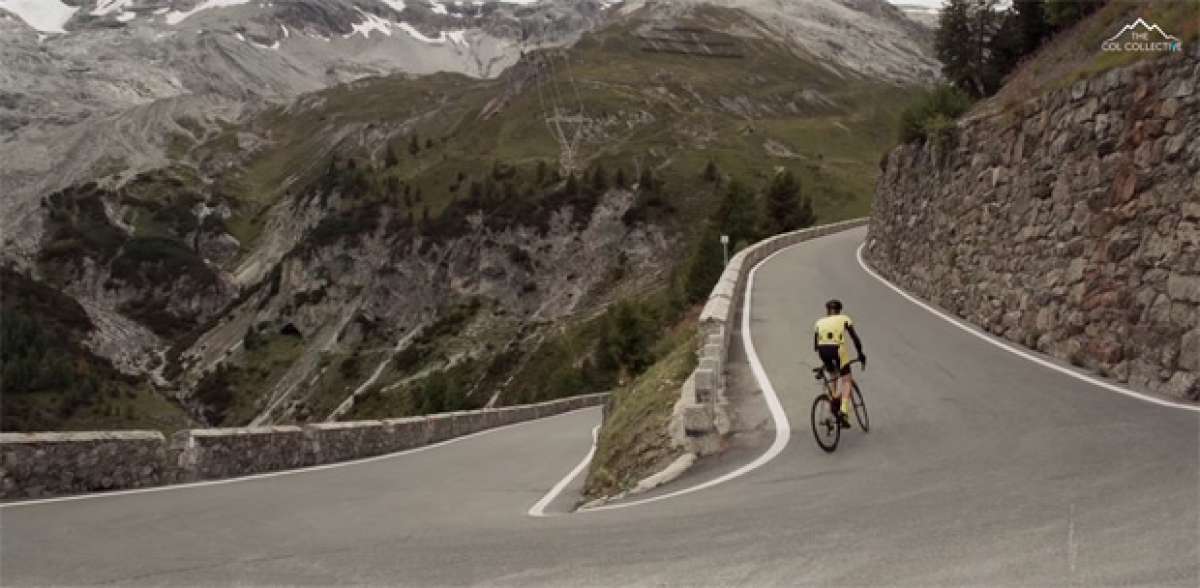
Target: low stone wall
(1069, 224)
(701, 416)
(34, 465)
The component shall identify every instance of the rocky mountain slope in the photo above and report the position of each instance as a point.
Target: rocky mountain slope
(106, 92)
(402, 244)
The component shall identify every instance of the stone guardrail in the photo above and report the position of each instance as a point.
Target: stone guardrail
(34, 465)
(701, 416)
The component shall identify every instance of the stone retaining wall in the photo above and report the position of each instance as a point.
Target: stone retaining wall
(1070, 224)
(34, 465)
(701, 416)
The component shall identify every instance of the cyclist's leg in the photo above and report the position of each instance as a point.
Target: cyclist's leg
(844, 380)
(831, 358)
(848, 393)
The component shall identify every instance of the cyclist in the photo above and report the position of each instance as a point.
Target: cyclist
(829, 341)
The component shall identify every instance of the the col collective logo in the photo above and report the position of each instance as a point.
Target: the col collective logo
(1141, 36)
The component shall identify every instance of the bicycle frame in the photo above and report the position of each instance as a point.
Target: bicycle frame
(822, 374)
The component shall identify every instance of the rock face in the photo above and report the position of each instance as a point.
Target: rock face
(106, 89)
(886, 45)
(1070, 225)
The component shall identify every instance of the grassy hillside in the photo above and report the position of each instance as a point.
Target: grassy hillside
(1076, 53)
(674, 112)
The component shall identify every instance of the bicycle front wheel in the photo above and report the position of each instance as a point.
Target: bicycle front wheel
(860, 409)
(826, 428)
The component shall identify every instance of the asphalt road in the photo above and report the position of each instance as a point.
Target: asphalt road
(981, 468)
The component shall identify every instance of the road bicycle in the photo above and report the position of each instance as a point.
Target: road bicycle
(827, 428)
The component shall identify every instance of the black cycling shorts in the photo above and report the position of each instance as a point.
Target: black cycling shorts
(831, 356)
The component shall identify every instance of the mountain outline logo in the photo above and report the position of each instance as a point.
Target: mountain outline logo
(1141, 39)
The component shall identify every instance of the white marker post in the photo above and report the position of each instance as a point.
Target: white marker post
(725, 250)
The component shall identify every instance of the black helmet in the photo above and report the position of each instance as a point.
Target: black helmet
(834, 305)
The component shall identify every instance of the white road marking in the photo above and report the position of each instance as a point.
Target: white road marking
(783, 429)
(969, 329)
(539, 509)
(1072, 547)
(280, 472)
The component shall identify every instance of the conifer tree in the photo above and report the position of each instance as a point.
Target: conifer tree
(646, 182)
(736, 215)
(599, 179)
(704, 266)
(1031, 24)
(952, 41)
(784, 208)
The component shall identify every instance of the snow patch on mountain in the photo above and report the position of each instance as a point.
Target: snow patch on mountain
(418, 35)
(47, 16)
(104, 7)
(371, 24)
(175, 17)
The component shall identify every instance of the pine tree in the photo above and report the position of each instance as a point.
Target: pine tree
(711, 173)
(964, 43)
(646, 182)
(951, 43)
(542, 171)
(572, 187)
(1031, 24)
(389, 159)
(736, 214)
(414, 145)
(621, 182)
(1004, 52)
(807, 217)
(599, 179)
(783, 204)
(704, 266)
(1061, 14)
(627, 338)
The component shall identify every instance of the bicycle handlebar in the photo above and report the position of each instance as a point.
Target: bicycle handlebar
(819, 369)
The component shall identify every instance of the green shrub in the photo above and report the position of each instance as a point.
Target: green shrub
(934, 112)
(629, 333)
(703, 266)
(215, 390)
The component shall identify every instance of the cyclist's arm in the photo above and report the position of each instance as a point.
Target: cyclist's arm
(857, 341)
(816, 339)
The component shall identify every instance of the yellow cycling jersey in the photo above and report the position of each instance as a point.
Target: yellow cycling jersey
(831, 330)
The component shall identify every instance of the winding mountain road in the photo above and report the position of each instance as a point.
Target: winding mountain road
(981, 468)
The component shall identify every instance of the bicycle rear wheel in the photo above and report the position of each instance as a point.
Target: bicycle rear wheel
(826, 428)
(860, 409)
